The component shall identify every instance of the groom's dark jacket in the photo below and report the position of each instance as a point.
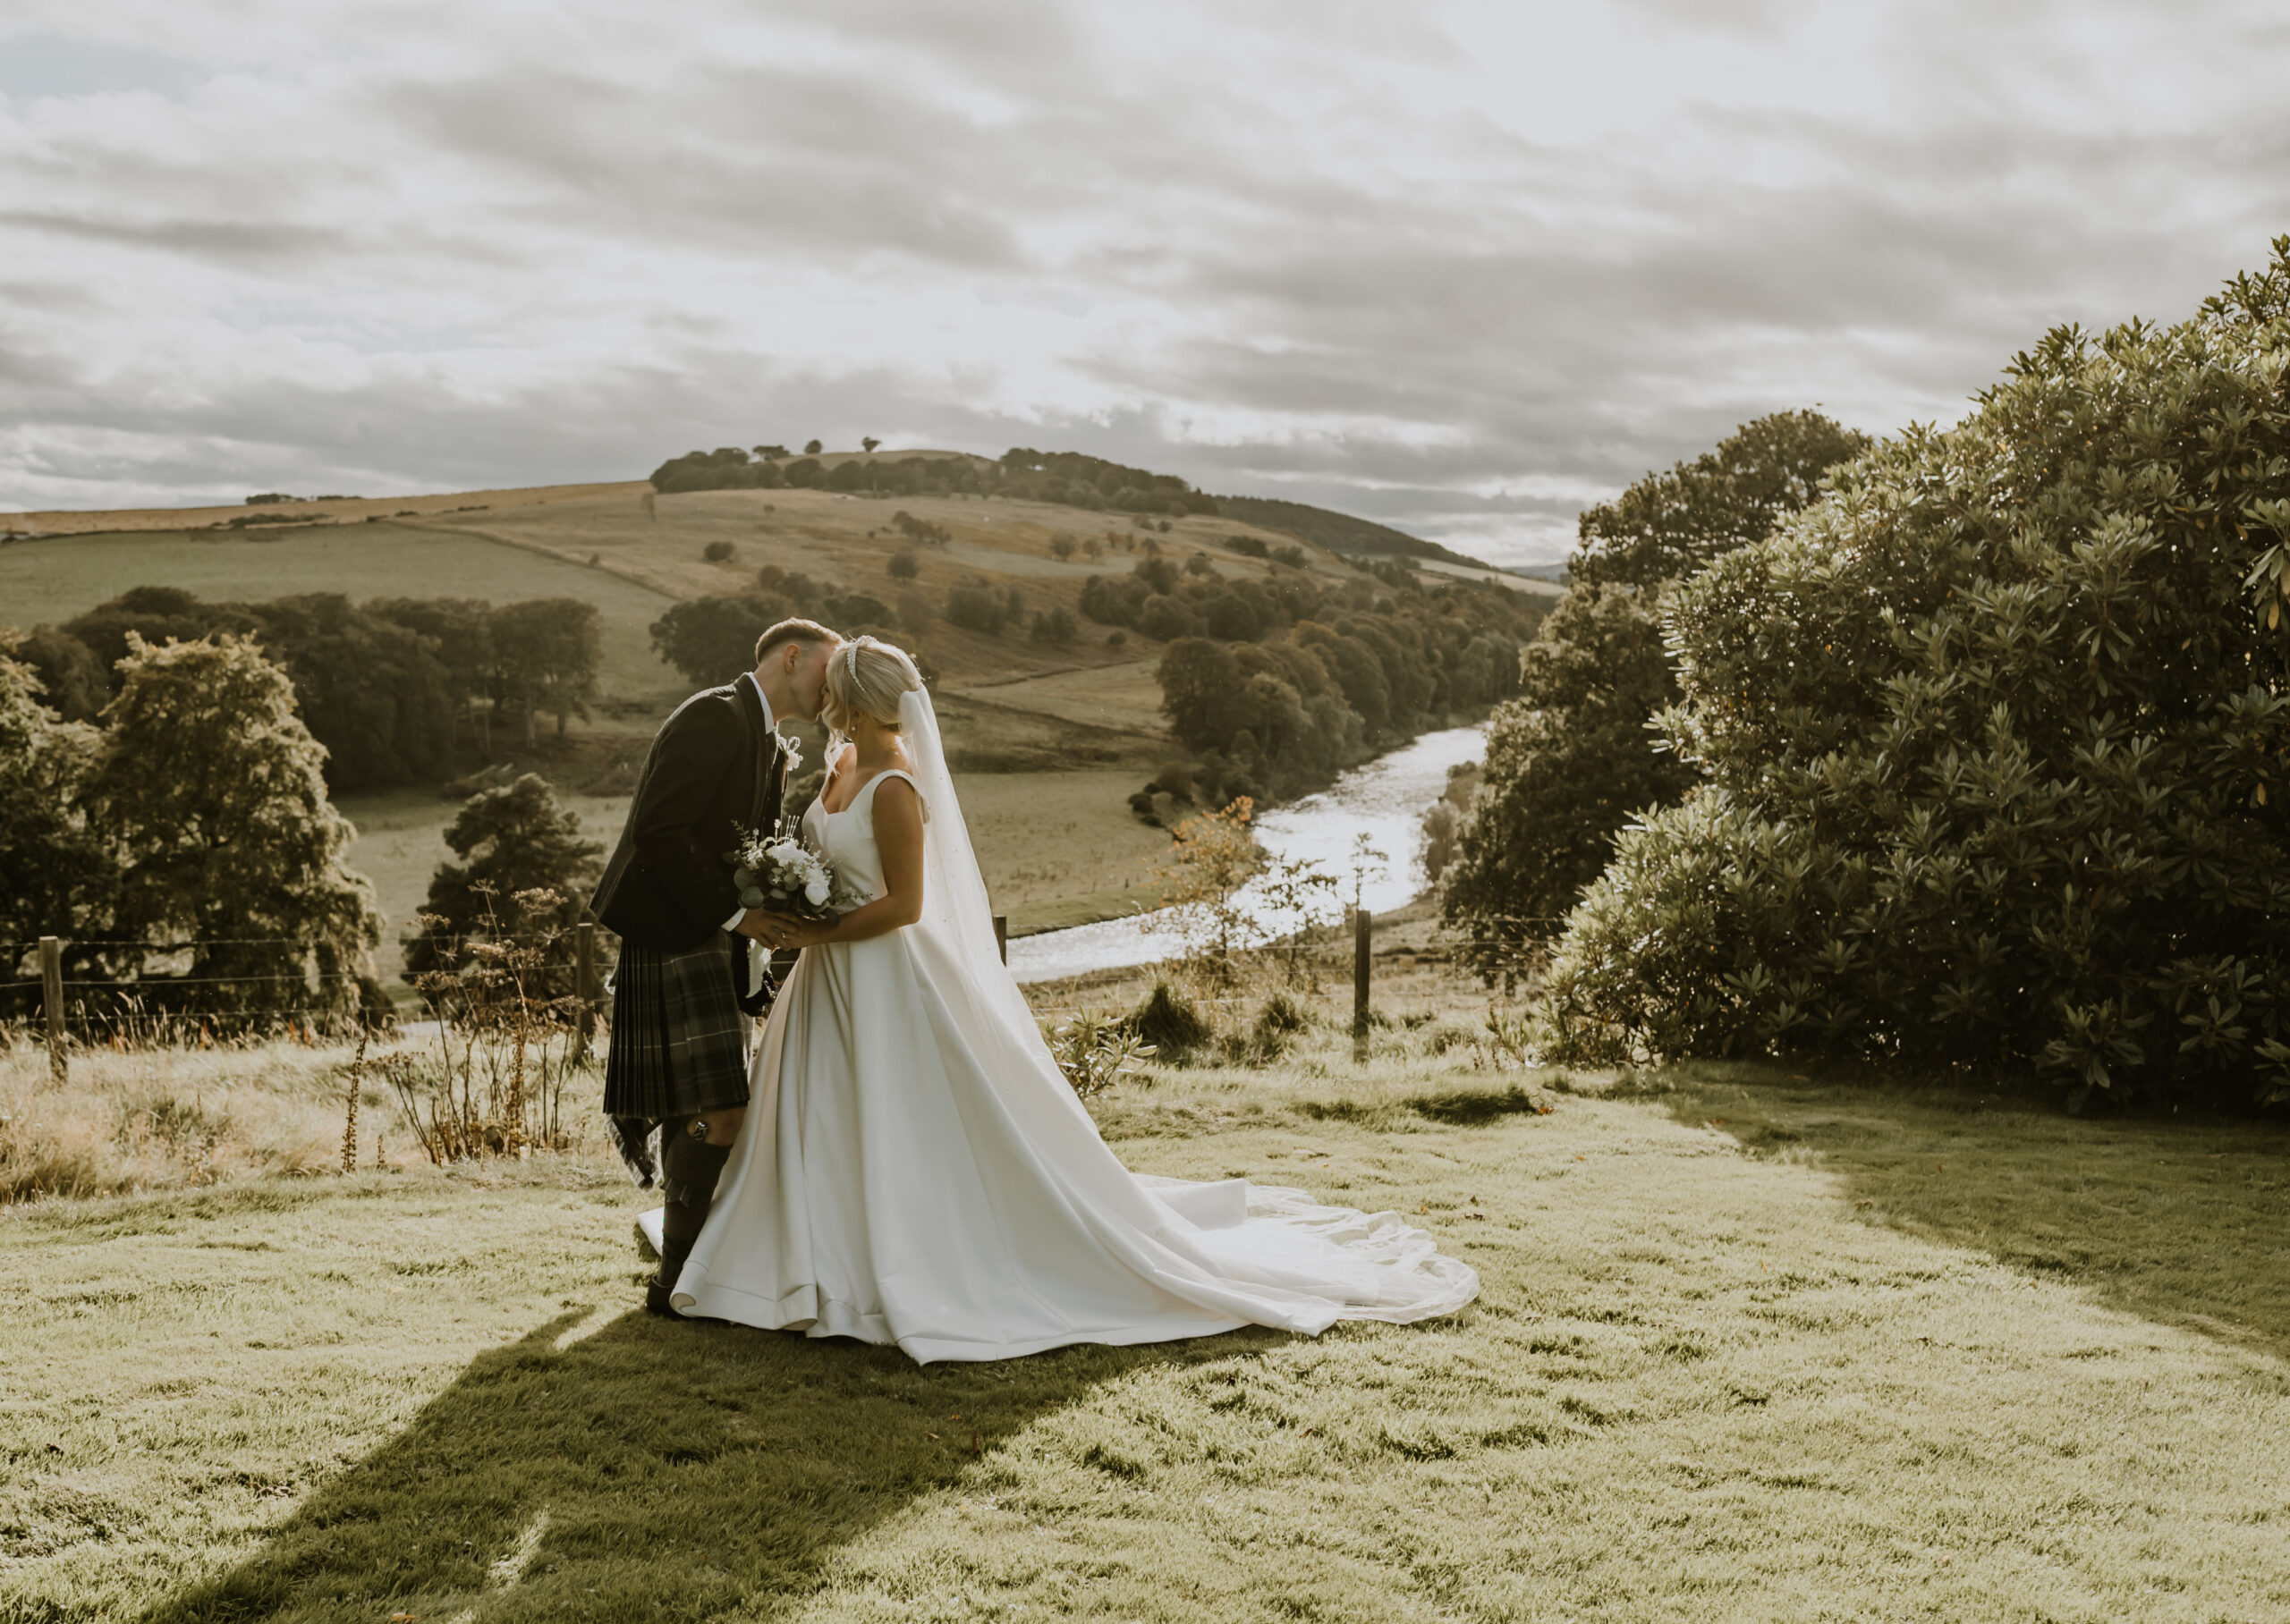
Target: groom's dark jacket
(715, 769)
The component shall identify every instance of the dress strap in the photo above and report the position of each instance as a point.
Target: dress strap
(868, 789)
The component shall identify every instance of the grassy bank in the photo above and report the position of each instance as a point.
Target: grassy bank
(1749, 1346)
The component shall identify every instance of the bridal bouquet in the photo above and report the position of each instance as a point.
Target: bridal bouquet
(780, 874)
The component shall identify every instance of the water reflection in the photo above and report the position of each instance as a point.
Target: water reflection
(1383, 800)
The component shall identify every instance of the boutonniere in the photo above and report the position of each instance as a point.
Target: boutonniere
(793, 747)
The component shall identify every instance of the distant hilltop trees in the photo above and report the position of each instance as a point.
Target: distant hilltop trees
(1071, 478)
(1066, 476)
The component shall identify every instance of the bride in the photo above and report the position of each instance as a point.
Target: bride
(914, 1167)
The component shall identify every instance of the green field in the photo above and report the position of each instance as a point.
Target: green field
(55, 578)
(1051, 853)
(1750, 1346)
(1048, 741)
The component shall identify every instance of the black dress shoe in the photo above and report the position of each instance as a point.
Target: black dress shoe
(656, 1301)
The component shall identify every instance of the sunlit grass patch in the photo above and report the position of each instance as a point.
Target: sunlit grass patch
(1702, 1381)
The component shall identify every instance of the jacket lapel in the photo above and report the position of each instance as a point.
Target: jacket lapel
(770, 763)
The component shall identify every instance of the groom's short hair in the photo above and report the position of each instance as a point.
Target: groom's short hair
(793, 632)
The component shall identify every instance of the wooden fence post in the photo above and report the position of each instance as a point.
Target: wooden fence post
(51, 988)
(1002, 937)
(1362, 932)
(584, 986)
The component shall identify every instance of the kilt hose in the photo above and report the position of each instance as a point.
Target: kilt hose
(679, 1043)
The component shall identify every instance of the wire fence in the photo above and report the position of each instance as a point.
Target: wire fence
(160, 950)
(128, 1004)
(111, 1010)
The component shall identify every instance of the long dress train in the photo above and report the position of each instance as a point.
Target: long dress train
(915, 1170)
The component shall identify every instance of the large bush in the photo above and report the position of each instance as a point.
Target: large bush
(1993, 737)
(1573, 757)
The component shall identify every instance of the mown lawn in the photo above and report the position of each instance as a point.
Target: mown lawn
(1848, 1352)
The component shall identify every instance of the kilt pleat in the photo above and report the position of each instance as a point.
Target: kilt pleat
(679, 1044)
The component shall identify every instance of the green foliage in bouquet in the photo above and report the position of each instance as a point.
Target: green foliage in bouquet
(1994, 736)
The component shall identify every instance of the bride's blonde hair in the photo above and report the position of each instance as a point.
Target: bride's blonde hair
(866, 677)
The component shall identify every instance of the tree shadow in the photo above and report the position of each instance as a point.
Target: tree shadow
(652, 1470)
(2178, 1219)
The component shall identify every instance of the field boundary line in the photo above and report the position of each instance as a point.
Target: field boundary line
(523, 545)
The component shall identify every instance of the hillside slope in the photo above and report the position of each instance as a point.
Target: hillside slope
(1338, 532)
(1086, 710)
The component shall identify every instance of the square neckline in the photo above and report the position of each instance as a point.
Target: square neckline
(873, 778)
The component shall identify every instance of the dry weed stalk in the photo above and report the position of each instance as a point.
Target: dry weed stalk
(350, 1121)
(505, 1055)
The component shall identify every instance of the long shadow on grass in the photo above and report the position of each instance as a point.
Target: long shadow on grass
(2175, 1220)
(653, 1470)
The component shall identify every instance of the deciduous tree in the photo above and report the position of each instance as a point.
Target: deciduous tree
(511, 840)
(57, 877)
(712, 640)
(548, 653)
(213, 792)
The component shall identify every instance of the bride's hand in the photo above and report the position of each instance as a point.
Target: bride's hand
(784, 931)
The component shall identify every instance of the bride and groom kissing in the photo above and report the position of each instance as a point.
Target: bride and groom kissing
(899, 1159)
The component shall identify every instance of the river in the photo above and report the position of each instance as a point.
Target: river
(1384, 800)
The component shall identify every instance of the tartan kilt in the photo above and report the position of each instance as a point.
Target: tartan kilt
(679, 1043)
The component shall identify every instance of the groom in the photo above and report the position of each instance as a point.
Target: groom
(682, 996)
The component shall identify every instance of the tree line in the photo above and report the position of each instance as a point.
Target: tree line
(1277, 685)
(1964, 754)
(186, 852)
(1070, 478)
(711, 639)
(393, 688)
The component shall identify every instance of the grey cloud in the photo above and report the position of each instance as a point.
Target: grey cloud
(557, 265)
(756, 153)
(48, 64)
(204, 239)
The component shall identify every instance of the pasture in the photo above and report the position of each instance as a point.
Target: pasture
(1049, 742)
(58, 577)
(1056, 847)
(1751, 1345)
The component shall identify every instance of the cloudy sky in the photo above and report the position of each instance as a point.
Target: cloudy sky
(1462, 267)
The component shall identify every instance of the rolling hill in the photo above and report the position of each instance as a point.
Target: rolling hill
(1338, 532)
(1053, 736)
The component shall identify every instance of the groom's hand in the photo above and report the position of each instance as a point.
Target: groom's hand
(756, 925)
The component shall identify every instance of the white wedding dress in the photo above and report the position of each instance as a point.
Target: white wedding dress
(915, 1169)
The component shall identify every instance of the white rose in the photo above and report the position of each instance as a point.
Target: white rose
(817, 890)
